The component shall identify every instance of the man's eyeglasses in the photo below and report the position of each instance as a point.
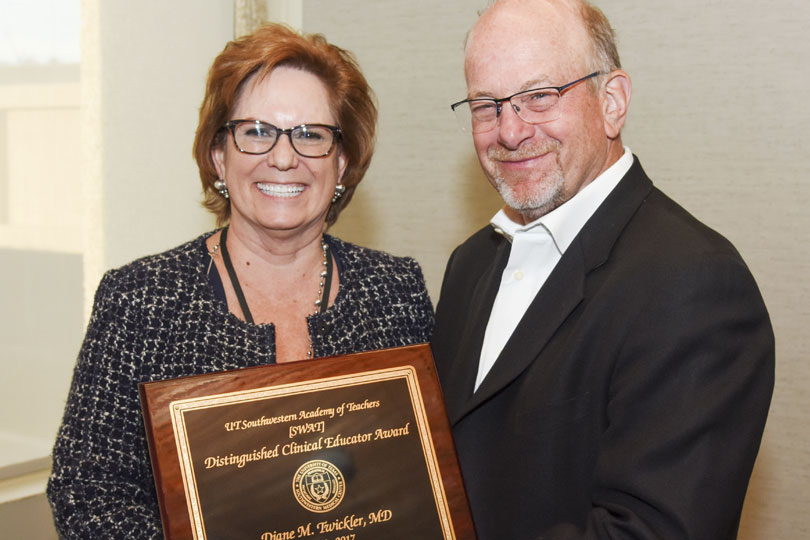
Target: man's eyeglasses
(308, 140)
(535, 106)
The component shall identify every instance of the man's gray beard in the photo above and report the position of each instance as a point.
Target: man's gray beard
(544, 196)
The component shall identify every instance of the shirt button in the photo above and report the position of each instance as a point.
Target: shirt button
(518, 275)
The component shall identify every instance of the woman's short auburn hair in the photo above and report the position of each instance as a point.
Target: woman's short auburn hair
(257, 54)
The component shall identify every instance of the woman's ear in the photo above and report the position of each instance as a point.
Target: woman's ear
(342, 163)
(218, 157)
(616, 99)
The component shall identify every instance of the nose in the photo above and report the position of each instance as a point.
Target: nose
(512, 129)
(282, 156)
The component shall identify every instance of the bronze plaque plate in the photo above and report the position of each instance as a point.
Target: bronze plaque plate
(345, 448)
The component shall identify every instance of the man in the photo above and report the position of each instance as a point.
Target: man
(607, 360)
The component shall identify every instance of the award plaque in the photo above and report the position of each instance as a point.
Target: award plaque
(354, 447)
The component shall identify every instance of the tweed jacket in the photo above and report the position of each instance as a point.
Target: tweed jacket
(158, 318)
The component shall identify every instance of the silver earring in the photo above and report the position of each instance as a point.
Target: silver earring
(340, 189)
(220, 186)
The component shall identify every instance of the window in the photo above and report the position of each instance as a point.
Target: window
(41, 199)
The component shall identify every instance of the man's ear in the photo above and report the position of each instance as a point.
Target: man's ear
(616, 99)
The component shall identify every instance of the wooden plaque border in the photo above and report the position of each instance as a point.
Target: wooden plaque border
(162, 399)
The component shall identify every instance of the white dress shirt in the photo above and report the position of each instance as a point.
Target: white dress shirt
(536, 249)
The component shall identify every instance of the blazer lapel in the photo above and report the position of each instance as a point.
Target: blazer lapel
(561, 293)
(467, 357)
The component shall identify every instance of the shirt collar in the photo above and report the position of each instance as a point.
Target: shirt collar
(564, 222)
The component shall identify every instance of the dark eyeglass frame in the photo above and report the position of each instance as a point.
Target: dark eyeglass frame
(233, 124)
(500, 101)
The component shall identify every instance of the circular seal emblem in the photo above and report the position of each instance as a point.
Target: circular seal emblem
(318, 486)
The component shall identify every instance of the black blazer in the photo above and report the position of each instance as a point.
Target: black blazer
(631, 398)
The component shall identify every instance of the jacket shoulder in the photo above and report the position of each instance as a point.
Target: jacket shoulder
(358, 262)
(163, 277)
(664, 229)
(477, 248)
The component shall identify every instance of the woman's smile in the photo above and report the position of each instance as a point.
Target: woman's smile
(280, 190)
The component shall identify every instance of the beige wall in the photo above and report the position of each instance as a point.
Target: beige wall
(719, 119)
(143, 75)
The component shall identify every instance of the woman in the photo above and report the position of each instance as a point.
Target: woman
(286, 133)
